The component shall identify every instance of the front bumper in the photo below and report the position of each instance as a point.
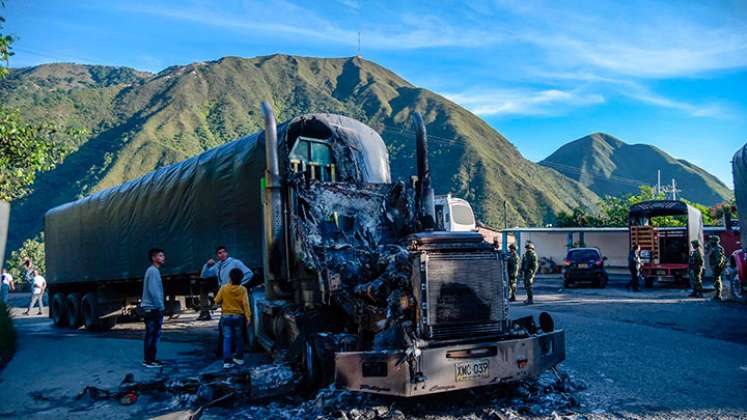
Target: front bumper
(448, 368)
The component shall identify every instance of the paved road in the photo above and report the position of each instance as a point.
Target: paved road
(652, 353)
(648, 354)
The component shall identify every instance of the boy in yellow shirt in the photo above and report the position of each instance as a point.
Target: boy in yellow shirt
(234, 302)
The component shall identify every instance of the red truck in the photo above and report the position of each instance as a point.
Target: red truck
(664, 250)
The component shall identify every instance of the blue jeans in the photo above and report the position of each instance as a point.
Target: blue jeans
(153, 321)
(4, 290)
(232, 328)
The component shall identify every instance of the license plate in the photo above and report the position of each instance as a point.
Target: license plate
(661, 272)
(583, 265)
(466, 371)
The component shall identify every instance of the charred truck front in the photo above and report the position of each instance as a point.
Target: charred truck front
(357, 285)
(364, 291)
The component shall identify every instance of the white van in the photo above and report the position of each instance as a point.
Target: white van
(454, 214)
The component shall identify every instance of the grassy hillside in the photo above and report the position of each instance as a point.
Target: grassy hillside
(609, 166)
(140, 121)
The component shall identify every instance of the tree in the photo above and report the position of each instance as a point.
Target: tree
(5, 52)
(25, 149)
(613, 212)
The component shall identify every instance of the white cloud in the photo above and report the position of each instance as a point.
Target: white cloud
(403, 32)
(524, 101)
(712, 110)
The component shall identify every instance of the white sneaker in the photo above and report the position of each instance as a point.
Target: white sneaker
(238, 361)
(227, 365)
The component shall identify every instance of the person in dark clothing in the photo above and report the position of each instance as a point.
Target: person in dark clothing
(634, 265)
(152, 304)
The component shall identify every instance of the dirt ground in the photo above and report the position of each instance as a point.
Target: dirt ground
(653, 354)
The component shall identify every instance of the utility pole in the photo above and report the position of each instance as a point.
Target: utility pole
(658, 182)
(505, 219)
(673, 189)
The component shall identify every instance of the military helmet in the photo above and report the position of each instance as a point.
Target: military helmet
(696, 243)
(714, 239)
(512, 246)
(529, 245)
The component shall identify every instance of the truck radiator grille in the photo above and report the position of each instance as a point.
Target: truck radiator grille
(464, 294)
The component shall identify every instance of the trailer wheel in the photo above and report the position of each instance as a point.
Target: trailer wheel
(74, 318)
(91, 310)
(59, 310)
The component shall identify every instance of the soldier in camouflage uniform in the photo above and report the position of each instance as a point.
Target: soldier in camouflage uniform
(529, 266)
(512, 267)
(695, 267)
(717, 260)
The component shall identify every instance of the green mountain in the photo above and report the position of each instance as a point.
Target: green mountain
(140, 121)
(609, 166)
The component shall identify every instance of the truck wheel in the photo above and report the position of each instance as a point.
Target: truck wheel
(737, 290)
(74, 318)
(318, 362)
(59, 310)
(91, 311)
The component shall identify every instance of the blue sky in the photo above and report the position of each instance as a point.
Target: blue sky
(671, 74)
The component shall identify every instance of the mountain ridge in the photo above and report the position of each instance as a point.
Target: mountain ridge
(140, 121)
(610, 166)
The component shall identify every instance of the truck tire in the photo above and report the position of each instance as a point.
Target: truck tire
(74, 315)
(91, 311)
(59, 310)
(318, 362)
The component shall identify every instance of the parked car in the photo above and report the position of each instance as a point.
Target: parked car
(584, 265)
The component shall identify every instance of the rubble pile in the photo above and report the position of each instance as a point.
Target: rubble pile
(212, 387)
(550, 395)
(268, 392)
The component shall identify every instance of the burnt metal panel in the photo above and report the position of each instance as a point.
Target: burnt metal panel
(464, 294)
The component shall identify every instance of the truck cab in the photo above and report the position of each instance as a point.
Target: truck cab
(454, 214)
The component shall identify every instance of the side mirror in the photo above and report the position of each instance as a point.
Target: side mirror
(604, 258)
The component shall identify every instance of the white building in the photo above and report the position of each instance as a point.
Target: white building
(554, 243)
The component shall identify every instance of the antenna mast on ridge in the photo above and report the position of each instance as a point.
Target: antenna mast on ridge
(359, 29)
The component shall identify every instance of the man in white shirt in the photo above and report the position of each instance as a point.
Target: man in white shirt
(38, 287)
(6, 286)
(224, 266)
(220, 269)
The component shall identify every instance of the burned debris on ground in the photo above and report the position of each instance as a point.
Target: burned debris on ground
(268, 391)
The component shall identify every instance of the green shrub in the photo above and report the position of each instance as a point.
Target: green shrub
(7, 335)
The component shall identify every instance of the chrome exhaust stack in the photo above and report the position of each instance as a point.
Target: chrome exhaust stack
(273, 250)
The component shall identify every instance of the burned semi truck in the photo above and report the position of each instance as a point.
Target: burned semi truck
(357, 285)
